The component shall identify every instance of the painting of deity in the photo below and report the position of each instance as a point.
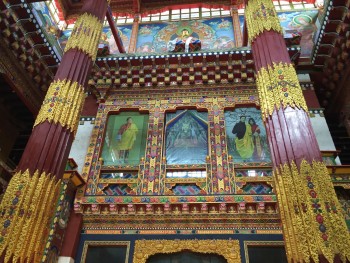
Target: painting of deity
(47, 24)
(106, 38)
(186, 137)
(246, 136)
(302, 22)
(125, 139)
(43, 16)
(213, 34)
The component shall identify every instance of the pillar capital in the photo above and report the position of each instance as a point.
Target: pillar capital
(261, 16)
(85, 35)
(233, 9)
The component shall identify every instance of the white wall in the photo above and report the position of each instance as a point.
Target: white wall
(322, 132)
(81, 142)
(65, 260)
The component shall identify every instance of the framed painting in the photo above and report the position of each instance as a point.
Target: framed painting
(246, 136)
(125, 139)
(186, 137)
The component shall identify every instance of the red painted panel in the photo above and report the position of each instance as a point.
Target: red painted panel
(269, 47)
(72, 235)
(311, 99)
(90, 106)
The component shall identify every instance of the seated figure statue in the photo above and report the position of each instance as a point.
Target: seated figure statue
(185, 42)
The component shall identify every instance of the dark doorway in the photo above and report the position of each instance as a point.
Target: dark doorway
(106, 254)
(271, 254)
(186, 257)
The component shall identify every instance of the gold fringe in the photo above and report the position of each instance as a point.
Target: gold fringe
(26, 210)
(278, 85)
(261, 15)
(86, 35)
(313, 222)
(62, 104)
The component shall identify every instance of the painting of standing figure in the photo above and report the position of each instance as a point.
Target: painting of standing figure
(246, 136)
(125, 139)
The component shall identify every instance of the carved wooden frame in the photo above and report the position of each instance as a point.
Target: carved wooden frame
(260, 244)
(229, 249)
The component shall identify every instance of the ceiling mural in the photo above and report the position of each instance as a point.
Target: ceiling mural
(214, 34)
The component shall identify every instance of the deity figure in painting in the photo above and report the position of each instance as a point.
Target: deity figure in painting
(185, 41)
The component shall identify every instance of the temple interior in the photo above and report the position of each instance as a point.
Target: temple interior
(175, 131)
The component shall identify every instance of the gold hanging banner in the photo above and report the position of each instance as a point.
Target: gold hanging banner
(86, 35)
(261, 15)
(26, 210)
(278, 85)
(62, 104)
(313, 222)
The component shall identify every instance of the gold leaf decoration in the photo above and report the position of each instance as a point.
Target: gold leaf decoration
(313, 222)
(62, 104)
(85, 35)
(261, 15)
(229, 249)
(26, 210)
(279, 85)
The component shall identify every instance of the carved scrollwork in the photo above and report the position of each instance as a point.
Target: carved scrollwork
(229, 249)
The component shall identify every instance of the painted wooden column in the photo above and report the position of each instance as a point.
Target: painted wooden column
(71, 239)
(313, 224)
(236, 27)
(134, 34)
(29, 202)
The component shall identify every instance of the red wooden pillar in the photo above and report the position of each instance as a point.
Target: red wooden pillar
(313, 225)
(71, 238)
(134, 33)
(236, 26)
(29, 202)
